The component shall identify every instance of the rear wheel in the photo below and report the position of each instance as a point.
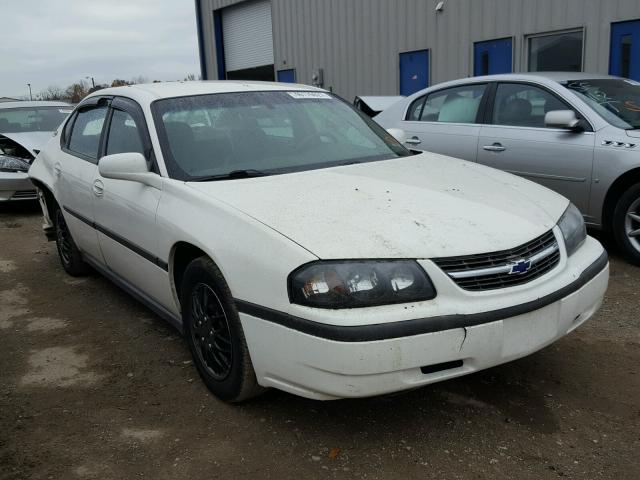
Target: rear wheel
(70, 256)
(626, 223)
(214, 333)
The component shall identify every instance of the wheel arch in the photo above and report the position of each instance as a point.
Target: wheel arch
(617, 188)
(182, 254)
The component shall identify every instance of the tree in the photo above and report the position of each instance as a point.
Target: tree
(120, 83)
(77, 91)
(52, 93)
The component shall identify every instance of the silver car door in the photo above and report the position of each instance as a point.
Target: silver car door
(446, 121)
(516, 140)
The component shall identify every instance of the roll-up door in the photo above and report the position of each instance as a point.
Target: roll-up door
(248, 41)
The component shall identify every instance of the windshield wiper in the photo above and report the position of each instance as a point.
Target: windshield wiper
(234, 174)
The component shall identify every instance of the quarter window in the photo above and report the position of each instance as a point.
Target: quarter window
(524, 105)
(87, 128)
(560, 52)
(453, 105)
(124, 136)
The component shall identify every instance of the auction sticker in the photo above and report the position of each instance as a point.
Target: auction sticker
(309, 95)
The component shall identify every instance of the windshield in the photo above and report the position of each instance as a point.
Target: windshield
(261, 133)
(616, 100)
(33, 119)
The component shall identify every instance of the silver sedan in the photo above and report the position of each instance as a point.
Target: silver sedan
(576, 133)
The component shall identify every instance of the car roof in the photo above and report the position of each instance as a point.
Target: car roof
(154, 91)
(32, 104)
(553, 76)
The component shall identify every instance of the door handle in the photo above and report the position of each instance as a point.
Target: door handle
(413, 141)
(496, 147)
(57, 169)
(98, 188)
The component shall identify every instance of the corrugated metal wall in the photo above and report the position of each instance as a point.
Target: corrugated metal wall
(357, 42)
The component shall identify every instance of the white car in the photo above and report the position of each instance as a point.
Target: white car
(298, 245)
(24, 128)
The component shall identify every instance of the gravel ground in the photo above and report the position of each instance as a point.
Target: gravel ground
(94, 385)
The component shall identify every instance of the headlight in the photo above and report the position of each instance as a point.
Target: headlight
(573, 229)
(13, 164)
(351, 283)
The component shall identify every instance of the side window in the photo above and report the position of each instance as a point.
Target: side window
(415, 110)
(66, 133)
(86, 131)
(524, 105)
(124, 136)
(454, 105)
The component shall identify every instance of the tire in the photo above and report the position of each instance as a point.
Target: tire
(626, 223)
(214, 334)
(70, 256)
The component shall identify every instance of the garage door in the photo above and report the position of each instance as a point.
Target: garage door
(248, 40)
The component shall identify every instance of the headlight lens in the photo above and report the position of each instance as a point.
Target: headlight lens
(13, 164)
(573, 229)
(352, 284)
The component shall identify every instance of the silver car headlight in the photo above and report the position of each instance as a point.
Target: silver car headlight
(573, 228)
(13, 164)
(353, 283)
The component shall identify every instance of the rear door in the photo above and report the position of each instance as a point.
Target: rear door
(75, 169)
(125, 211)
(446, 121)
(515, 138)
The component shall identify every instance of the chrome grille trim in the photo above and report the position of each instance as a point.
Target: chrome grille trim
(24, 195)
(495, 270)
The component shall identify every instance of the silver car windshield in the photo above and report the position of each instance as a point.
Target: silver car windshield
(236, 135)
(616, 100)
(40, 119)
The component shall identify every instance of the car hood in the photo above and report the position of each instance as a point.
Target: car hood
(423, 206)
(32, 141)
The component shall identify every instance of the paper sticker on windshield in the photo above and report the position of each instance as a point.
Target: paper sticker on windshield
(65, 111)
(309, 95)
(632, 82)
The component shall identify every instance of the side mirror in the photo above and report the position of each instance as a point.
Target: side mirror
(130, 166)
(565, 119)
(398, 134)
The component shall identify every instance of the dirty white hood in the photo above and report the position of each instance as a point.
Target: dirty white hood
(424, 206)
(32, 141)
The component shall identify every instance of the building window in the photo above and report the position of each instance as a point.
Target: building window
(556, 52)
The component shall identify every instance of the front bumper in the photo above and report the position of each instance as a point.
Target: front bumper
(314, 364)
(16, 186)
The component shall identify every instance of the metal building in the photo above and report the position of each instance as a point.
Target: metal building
(390, 47)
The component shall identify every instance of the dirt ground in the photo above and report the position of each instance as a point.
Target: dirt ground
(95, 386)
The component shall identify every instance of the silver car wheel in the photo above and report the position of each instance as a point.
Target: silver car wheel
(632, 224)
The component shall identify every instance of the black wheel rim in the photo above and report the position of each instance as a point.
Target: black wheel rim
(64, 239)
(210, 332)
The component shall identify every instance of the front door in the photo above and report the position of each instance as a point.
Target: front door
(75, 168)
(625, 50)
(516, 140)
(493, 57)
(414, 71)
(125, 211)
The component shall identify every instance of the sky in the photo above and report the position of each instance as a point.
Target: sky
(60, 42)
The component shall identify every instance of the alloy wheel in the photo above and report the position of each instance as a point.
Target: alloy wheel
(210, 332)
(632, 224)
(64, 238)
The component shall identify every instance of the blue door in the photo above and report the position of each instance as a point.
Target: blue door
(287, 76)
(414, 71)
(624, 58)
(492, 57)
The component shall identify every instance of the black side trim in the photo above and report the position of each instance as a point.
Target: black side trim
(136, 293)
(121, 240)
(407, 328)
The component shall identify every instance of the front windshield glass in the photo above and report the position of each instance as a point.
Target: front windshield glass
(262, 133)
(616, 100)
(32, 119)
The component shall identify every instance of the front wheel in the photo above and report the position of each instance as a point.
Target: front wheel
(626, 223)
(70, 256)
(214, 334)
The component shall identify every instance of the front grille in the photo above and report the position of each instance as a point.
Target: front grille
(495, 270)
(25, 195)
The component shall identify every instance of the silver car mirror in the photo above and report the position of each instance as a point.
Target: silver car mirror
(565, 119)
(130, 166)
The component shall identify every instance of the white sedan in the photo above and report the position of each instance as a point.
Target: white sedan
(297, 245)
